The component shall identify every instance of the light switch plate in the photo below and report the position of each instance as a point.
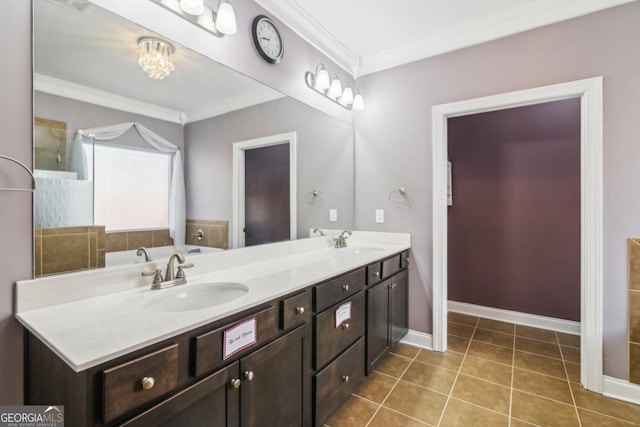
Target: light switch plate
(333, 215)
(379, 216)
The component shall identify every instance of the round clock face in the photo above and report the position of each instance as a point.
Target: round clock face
(267, 39)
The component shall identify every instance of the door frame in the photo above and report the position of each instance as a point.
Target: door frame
(239, 185)
(590, 93)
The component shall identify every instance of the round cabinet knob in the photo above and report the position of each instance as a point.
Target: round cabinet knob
(376, 274)
(248, 375)
(345, 326)
(235, 383)
(299, 310)
(345, 287)
(345, 378)
(148, 383)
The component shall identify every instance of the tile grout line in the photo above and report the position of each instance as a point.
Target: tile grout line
(513, 374)
(455, 380)
(573, 399)
(392, 388)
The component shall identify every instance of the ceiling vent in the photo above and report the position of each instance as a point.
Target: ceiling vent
(79, 6)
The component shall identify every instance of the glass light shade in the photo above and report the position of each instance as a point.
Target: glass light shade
(206, 20)
(156, 57)
(192, 7)
(358, 102)
(347, 96)
(172, 4)
(322, 80)
(226, 19)
(335, 90)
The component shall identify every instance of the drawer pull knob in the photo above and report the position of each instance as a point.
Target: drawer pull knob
(345, 287)
(376, 274)
(299, 310)
(235, 383)
(345, 378)
(248, 375)
(345, 326)
(148, 383)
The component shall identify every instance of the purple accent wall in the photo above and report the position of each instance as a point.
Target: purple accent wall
(514, 227)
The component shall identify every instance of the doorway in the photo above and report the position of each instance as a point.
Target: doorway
(589, 91)
(264, 190)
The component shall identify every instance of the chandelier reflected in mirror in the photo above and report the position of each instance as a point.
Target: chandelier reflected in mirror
(156, 57)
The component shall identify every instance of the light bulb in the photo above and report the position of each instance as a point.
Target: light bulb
(322, 80)
(347, 96)
(193, 7)
(335, 90)
(226, 19)
(358, 102)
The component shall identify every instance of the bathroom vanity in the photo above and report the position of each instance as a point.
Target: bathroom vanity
(313, 322)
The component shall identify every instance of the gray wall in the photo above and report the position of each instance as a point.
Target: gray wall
(325, 161)
(514, 227)
(83, 115)
(16, 220)
(393, 140)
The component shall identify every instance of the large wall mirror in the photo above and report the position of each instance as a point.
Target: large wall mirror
(103, 191)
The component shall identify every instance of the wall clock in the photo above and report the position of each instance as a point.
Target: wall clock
(267, 39)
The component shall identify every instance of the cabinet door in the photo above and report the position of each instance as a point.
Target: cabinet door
(377, 323)
(213, 402)
(276, 383)
(399, 306)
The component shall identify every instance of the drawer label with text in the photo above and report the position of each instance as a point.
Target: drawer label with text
(343, 313)
(239, 337)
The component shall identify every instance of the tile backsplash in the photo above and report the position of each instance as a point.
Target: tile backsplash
(66, 249)
(634, 310)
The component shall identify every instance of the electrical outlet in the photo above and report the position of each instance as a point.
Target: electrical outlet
(379, 216)
(333, 215)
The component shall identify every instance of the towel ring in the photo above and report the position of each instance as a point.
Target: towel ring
(33, 178)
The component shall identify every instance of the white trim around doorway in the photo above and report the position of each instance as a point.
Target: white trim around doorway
(591, 255)
(238, 182)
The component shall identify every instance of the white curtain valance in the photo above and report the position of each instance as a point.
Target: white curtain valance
(177, 199)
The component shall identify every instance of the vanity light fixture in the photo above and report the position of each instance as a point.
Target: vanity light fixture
(156, 57)
(219, 23)
(332, 88)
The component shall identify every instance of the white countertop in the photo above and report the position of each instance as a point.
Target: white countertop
(105, 321)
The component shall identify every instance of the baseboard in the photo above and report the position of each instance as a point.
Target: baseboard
(621, 389)
(418, 339)
(534, 320)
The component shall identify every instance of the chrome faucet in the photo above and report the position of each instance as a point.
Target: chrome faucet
(170, 278)
(341, 241)
(143, 251)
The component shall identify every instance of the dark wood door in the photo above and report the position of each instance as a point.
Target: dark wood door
(267, 199)
(399, 306)
(212, 402)
(275, 389)
(377, 323)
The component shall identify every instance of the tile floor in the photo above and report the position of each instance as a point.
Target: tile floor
(494, 374)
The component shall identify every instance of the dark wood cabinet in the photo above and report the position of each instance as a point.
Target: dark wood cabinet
(399, 307)
(377, 323)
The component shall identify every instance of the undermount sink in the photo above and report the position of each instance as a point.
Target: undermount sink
(195, 297)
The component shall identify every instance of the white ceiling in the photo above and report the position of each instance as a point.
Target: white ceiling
(92, 56)
(364, 36)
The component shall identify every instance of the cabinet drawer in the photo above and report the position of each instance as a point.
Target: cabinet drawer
(334, 384)
(390, 266)
(374, 273)
(404, 259)
(295, 310)
(338, 289)
(330, 339)
(123, 384)
(208, 349)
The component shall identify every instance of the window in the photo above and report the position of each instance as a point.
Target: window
(131, 188)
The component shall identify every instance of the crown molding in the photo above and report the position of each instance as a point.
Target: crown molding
(233, 104)
(533, 15)
(82, 93)
(298, 20)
